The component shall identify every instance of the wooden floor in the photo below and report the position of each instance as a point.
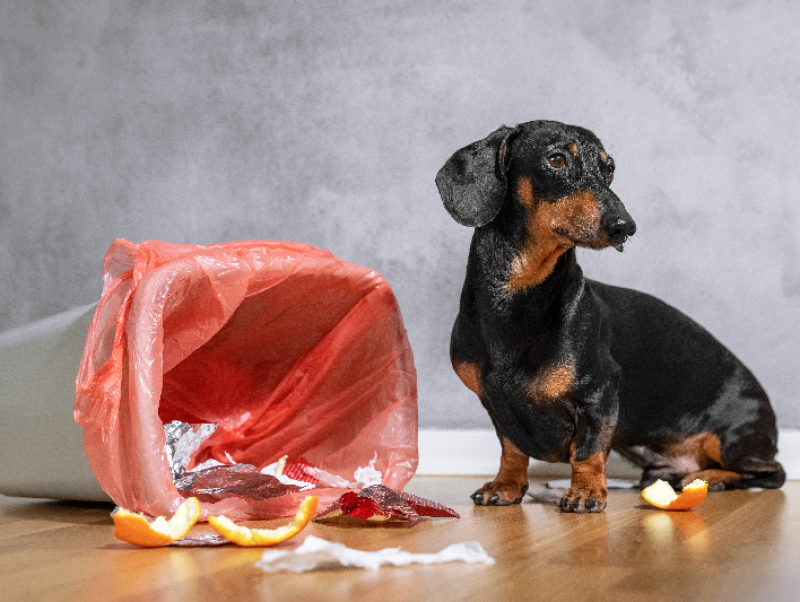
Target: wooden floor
(741, 545)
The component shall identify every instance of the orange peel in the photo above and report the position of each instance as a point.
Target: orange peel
(134, 527)
(244, 536)
(661, 495)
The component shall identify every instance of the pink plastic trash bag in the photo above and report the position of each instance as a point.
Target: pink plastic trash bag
(288, 350)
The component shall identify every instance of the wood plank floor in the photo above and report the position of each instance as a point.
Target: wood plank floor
(740, 545)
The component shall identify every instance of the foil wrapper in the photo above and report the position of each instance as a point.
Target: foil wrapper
(183, 439)
(213, 480)
(242, 480)
(200, 541)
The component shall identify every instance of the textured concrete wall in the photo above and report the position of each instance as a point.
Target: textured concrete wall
(325, 122)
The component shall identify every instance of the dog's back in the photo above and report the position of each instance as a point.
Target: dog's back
(679, 383)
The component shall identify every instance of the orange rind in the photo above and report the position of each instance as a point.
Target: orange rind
(661, 495)
(244, 536)
(134, 527)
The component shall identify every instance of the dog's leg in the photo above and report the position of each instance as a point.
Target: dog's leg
(701, 456)
(772, 476)
(717, 479)
(589, 451)
(766, 475)
(769, 475)
(588, 491)
(511, 482)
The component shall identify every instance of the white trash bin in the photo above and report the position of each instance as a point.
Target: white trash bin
(41, 446)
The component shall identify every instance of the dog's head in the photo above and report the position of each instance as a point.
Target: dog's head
(558, 175)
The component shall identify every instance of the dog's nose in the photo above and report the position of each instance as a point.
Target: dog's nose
(619, 229)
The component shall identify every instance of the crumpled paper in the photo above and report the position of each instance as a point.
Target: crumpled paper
(316, 554)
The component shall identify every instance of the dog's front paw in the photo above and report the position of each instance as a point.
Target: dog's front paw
(581, 500)
(499, 493)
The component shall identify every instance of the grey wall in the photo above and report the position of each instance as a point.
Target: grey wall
(325, 122)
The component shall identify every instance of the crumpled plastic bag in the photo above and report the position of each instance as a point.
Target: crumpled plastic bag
(287, 349)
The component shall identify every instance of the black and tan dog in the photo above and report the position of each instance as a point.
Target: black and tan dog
(569, 368)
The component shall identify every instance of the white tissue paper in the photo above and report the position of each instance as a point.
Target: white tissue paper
(367, 475)
(318, 554)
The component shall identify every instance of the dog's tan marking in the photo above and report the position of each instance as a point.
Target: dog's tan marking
(712, 476)
(700, 457)
(589, 473)
(553, 228)
(513, 463)
(579, 216)
(588, 482)
(604, 157)
(554, 383)
(573, 149)
(542, 248)
(703, 449)
(470, 375)
(525, 193)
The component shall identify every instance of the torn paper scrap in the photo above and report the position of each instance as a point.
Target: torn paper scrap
(318, 554)
(368, 475)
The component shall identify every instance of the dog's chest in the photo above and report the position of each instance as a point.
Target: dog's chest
(535, 413)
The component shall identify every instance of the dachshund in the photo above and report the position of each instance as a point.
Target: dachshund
(569, 368)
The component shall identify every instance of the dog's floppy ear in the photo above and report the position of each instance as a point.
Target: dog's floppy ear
(472, 183)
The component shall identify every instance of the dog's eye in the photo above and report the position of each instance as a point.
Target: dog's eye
(557, 160)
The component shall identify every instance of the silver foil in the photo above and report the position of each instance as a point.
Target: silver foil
(213, 480)
(183, 439)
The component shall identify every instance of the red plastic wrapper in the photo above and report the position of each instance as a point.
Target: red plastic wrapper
(287, 349)
(378, 504)
(300, 470)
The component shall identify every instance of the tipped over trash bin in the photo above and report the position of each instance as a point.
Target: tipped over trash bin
(278, 350)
